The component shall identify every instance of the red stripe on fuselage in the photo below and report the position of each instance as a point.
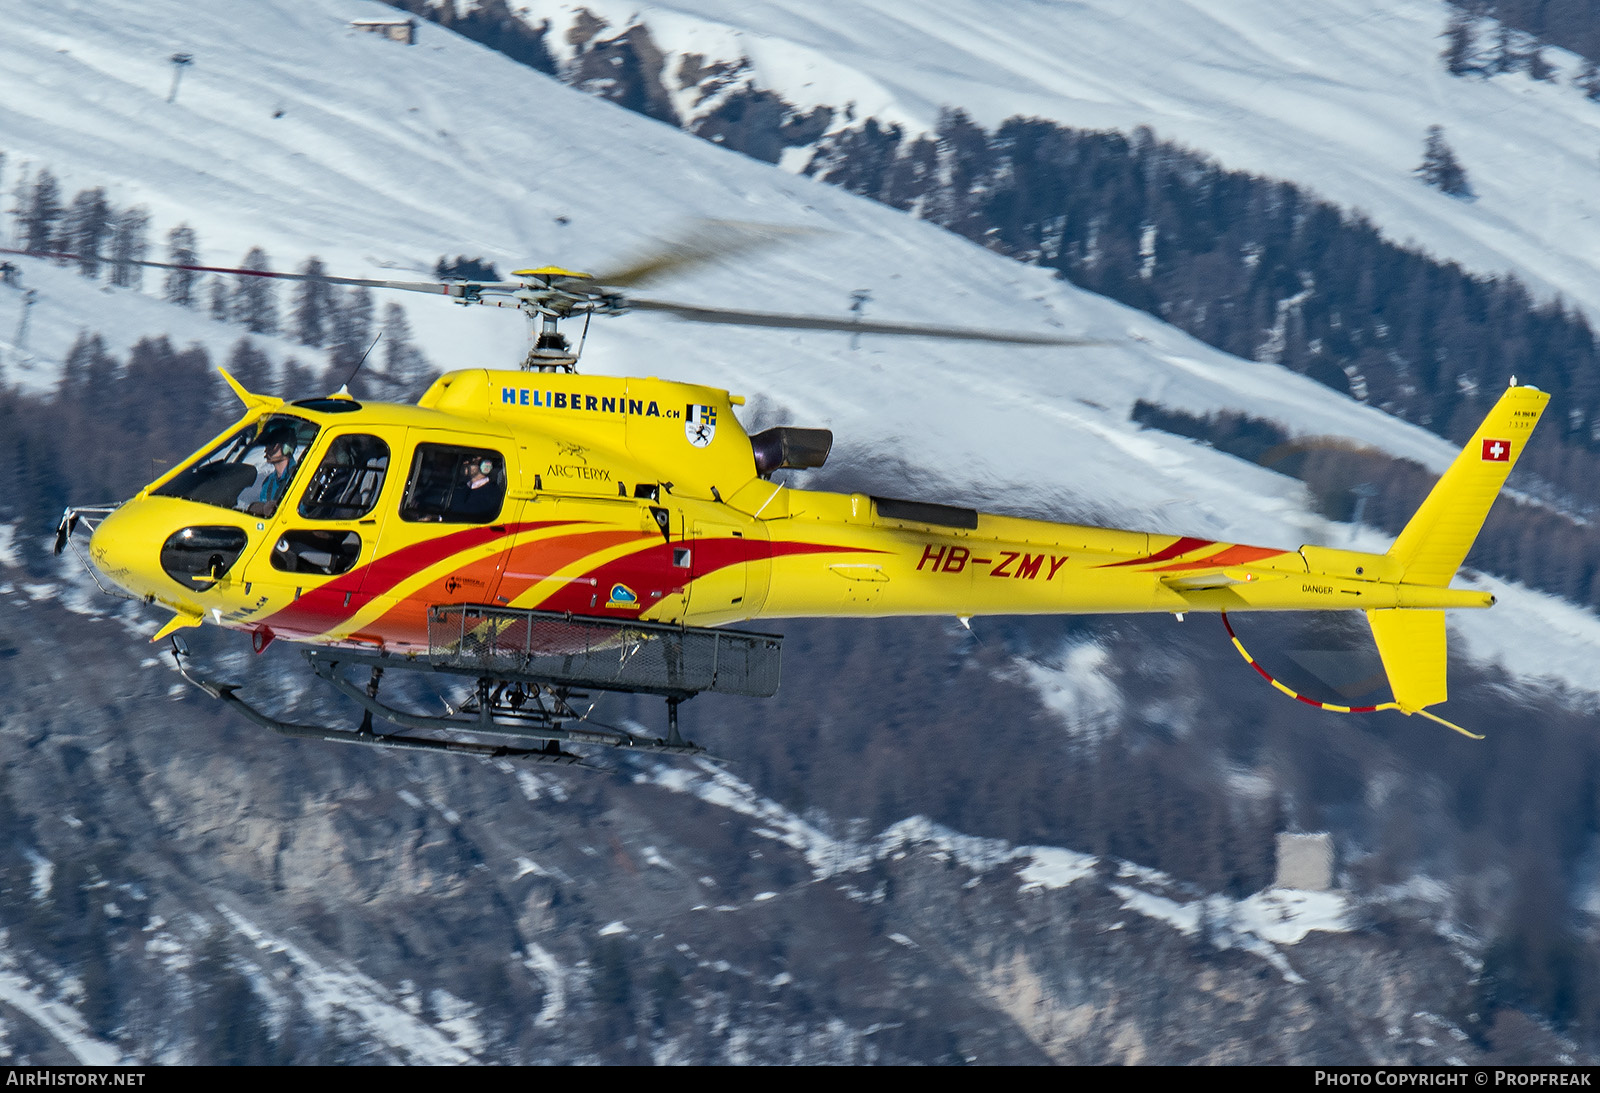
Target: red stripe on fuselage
(406, 623)
(1234, 555)
(1182, 546)
(330, 604)
(529, 562)
(653, 569)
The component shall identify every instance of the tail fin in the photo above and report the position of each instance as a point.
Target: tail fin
(1433, 545)
(1435, 542)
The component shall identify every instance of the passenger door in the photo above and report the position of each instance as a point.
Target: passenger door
(447, 540)
(314, 565)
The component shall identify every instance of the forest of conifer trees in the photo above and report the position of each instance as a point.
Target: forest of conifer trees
(104, 242)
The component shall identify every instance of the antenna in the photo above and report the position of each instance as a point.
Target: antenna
(347, 380)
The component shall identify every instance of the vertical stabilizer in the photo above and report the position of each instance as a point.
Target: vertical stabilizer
(1435, 542)
(1411, 643)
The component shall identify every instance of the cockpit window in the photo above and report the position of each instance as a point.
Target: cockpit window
(451, 485)
(347, 483)
(249, 472)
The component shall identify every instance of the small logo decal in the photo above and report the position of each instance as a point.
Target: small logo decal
(1497, 451)
(622, 596)
(700, 424)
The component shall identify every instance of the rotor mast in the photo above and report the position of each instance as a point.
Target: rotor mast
(549, 295)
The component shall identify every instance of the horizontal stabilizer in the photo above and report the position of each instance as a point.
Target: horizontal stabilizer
(1221, 578)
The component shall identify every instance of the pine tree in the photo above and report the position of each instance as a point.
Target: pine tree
(88, 367)
(301, 381)
(1505, 57)
(42, 213)
(130, 241)
(19, 207)
(249, 365)
(1589, 81)
(358, 314)
(88, 221)
(404, 365)
(351, 333)
(1461, 46)
(465, 269)
(255, 299)
(313, 304)
(1439, 167)
(1538, 67)
(221, 299)
(149, 367)
(183, 249)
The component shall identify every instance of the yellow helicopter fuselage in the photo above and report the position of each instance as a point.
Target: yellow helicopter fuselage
(640, 499)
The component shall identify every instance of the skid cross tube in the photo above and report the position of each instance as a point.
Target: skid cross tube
(550, 753)
(327, 666)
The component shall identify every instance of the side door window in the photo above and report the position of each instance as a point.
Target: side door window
(344, 488)
(451, 484)
(349, 479)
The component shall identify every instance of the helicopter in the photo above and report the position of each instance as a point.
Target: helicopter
(545, 534)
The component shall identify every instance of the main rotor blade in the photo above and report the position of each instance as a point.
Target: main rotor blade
(731, 317)
(707, 241)
(587, 298)
(438, 288)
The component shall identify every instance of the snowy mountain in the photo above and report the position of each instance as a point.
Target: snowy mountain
(1338, 98)
(374, 907)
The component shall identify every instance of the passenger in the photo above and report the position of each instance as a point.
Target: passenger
(480, 500)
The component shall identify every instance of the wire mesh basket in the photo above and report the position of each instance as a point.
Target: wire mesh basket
(609, 654)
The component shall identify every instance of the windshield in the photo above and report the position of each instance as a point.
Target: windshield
(249, 472)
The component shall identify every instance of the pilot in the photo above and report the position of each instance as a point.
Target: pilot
(277, 445)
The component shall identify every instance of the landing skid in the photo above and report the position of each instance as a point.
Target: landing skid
(525, 688)
(536, 724)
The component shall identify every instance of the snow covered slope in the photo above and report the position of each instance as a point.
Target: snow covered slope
(1336, 96)
(297, 134)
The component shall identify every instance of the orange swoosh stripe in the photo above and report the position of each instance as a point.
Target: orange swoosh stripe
(1182, 546)
(330, 604)
(1233, 555)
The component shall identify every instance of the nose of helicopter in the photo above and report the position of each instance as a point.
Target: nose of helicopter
(157, 546)
(122, 552)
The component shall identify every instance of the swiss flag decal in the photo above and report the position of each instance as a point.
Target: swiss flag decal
(1496, 451)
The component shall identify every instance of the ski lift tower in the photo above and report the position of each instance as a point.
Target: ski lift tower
(180, 61)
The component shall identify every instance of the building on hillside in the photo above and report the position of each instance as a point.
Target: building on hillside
(396, 30)
(1305, 861)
